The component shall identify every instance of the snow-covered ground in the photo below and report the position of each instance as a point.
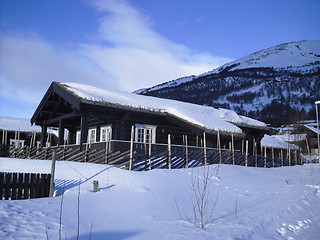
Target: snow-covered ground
(251, 203)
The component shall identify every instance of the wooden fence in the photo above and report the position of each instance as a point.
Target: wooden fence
(15, 185)
(146, 156)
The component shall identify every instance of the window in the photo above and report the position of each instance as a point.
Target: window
(145, 133)
(17, 143)
(105, 133)
(92, 133)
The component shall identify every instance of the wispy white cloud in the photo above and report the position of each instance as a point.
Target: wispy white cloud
(128, 55)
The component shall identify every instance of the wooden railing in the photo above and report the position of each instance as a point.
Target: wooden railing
(149, 156)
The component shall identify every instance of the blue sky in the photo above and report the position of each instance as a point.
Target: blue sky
(127, 45)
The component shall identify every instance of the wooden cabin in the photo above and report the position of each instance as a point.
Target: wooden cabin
(95, 115)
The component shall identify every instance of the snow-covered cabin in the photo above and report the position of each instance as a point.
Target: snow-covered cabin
(302, 133)
(277, 142)
(93, 114)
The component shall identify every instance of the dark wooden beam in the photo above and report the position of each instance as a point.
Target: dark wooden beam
(43, 135)
(55, 109)
(57, 119)
(61, 132)
(84, 131)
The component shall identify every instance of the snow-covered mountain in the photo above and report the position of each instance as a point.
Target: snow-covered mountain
(277, 85)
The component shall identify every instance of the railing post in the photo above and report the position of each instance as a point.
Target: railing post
(246, 156)
(53, 168)
(232, 146)
(255, 153)
(219, 147)
(272, 156)
(131, 148)
(204, 149)
(265, 157)
(186, 152)
(150, 151)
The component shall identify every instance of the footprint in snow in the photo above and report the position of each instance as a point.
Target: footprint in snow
(282, 231)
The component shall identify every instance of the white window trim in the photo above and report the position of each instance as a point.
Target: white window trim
(90, 130)
(108, 132)
(145, 126)
(78, 135)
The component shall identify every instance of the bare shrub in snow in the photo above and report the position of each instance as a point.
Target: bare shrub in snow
(202, 204)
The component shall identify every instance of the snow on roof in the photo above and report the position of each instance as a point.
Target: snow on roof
(291, 137)
(16, 124)
(316, 130)
(203, 116)
(272, 141)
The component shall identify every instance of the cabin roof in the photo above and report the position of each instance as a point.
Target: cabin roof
(204, 117)
(274, 142)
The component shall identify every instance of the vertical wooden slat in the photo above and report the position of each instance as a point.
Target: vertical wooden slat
(14, 183)
(43, 185)
(7, 193)
(48, 184)
(242, 146)
(32, 185)
(20, 185)
(37, 185)
(3, 134)
(26, 186)
(6, 137)
(1, 185)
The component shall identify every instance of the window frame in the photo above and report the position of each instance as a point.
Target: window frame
(108, 136)
(90, 130)
(141, 129)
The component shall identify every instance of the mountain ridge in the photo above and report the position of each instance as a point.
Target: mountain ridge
(282, 78)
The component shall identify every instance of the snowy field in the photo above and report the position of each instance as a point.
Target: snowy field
(247, 203)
